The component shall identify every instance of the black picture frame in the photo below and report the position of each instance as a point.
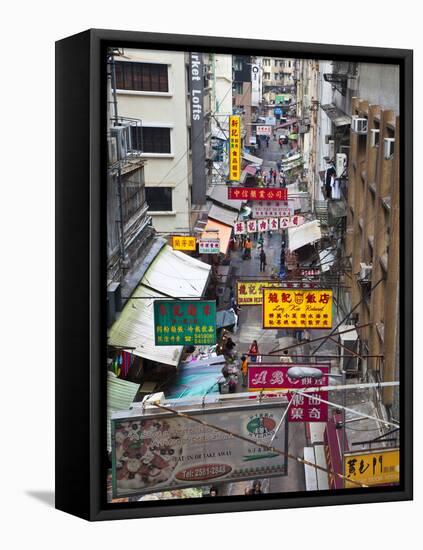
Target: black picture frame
(80, 272)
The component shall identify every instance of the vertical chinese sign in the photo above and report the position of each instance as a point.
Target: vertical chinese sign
(234, 148)
(270, 377)
(183, 243)
(180, 323)
(372, 467)
(297, 308)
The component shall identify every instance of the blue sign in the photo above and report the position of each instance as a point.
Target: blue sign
(277, 111)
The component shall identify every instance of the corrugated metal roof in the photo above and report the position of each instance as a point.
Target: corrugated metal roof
(172, 273)
(219, 193)
(120, 395)
(223, 215)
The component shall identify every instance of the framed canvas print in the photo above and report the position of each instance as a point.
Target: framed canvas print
(234, 275)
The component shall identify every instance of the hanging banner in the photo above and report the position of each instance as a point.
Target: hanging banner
(183, 243)
(184, 322)
(277, 209)
(250, 293)
(283, 308)
(209, 246)
(263, 130)
(198, 153)
(257, 194)
(255, 85)
(235, 147)
(271, 376)
(156, 451)
(268, 224)
(372, 467)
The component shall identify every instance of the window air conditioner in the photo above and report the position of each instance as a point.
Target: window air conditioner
(123, 140)
(374, 137)
(388, 148)
(112, 150)
(327, 138)
(365, 272)
(341, 164)
(359, 125)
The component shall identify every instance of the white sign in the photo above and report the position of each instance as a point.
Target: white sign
(209, 246)
(270, 120)
(267, 224)
(255, 85)
(156, 452)
(271, 208)
(264, 130)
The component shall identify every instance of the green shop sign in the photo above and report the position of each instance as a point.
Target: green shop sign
(181, 323)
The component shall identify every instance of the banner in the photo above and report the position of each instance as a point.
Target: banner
(198, 153)
(372, 467)
(156, 451)
(271, 209)
(270, 377)
(184, 322)
(183, 243)
(268, 224)
(209, 246)
(255, 85)
(250, 293)
(235, 147)
(257, 194)
(284, 308)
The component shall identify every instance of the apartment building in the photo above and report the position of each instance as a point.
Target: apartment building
(151, 87)
(277, 72)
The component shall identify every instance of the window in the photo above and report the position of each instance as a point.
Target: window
(237, 88)
(266, 76)
(159, 199)
(142, 77)
(133, 193)
(156, 140)
(266, 62)
(238, 64)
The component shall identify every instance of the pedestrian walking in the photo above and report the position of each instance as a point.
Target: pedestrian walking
(267, 141)
(253, 351)
(274, 177)
(247, 248)
(262, 260)
(244, 370)
(257, 490)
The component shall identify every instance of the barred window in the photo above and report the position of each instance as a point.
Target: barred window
(156, 140)
(142, 77)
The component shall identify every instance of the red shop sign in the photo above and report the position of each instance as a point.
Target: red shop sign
(257, 194)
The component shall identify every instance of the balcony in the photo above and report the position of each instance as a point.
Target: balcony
(126, 140)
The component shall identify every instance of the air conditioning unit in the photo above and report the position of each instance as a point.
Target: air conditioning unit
(112, 150)
(341, 164)
(388, 148)
(327, 138)
(331, 152)
(359, 125)
(365, 272)
(122, 134)
(374, 137)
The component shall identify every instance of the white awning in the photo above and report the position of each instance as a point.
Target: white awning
(177, 274)
(172, 273)
(304, 234)
(327, 259)
(252, 159)
(120, 395)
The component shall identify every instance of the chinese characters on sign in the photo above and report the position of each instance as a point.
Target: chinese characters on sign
(209, 246)
(180, 323)
(310, 272)
(271, 209)
(266, 224)
(263, 130)
(234, 148)
(250, 293)
(275, 377)
(283, 308)
(183, 243)
(373, 467)
(257, 194)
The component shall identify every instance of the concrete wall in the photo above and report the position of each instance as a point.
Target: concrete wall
(166, 110)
